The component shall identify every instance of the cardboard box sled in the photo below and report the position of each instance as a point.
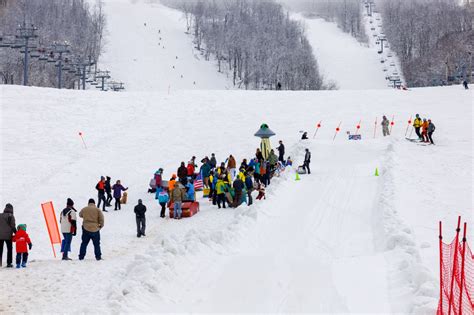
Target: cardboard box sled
(189, 209)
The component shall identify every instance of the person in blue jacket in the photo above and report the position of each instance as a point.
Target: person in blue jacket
(163, 198)
(249, 186)
(190, 191)
(205, 171)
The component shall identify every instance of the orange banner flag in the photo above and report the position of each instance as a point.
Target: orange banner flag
(51, 224)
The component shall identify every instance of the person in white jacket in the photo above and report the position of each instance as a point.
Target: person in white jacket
(68, 221)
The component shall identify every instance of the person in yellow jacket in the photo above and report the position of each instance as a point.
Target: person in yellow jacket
(220, 191)
(417, 123)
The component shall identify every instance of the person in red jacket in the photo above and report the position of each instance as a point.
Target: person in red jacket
(191, 169)
(23, 242)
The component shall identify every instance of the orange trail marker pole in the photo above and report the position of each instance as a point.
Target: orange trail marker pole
(375, 128)
(358, 127)
(392, 123)
(317, 128)
(81, 135)
(51, 224)
(409, 124)
(337, 131)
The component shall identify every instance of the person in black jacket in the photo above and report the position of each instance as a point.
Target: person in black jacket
(238, 188)
(7, 229)
(183, 173)
(281, 152)
(140, 210)
(307, 160)
(108, 191)
(249, 186)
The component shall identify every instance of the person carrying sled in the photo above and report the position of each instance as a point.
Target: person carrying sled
(93, 222)
(140, 210)
(68, 222)
(431, 129)
(307, 161)
(118, 188)
(101, 193)
(7, 230)
(385, 123)
(417, 125)
(23, 243)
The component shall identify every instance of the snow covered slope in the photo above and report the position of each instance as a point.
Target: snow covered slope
(339, 240)
(147, 48)
(341, 58)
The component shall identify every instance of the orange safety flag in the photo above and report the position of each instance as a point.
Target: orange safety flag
(51, 224)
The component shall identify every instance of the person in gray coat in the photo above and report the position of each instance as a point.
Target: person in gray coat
(431, 130)
(7, 229)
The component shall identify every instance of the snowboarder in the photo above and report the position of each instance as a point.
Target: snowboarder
(23, 242)
(108, 191)
(424, 130)
(465, 84)
(307, 161)
(101, 193)
(238, 188)
(93, 222)
(163, 198)
(431, 130)
(385, 123)
(7, 229)
(177, 196)
(140, 210)
(118, 188)
(417, 125)
(281, 152)
(68, 222)
(304, 136)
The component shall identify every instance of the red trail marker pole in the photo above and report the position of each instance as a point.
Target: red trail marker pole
(462, 267)
(409, 124)
(358, 127)
(337, 131)
(392, 123)
(81, 135)
(455, 264)
(317, 128)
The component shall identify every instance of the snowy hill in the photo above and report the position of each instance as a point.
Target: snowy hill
(147, 49)
(339, 240)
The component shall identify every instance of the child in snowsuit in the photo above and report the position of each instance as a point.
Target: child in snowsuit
(23, 242)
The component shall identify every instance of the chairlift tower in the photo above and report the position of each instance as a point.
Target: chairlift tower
(60, 49)
(26, 33)
(82, 64)
(381, 39)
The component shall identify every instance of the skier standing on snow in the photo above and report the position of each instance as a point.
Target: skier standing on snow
(424, 130)
(118, 188)
(431, 130)
(101, 193)
(7, 229)
(140, 210)
(417, 125)
(23, 242)
(307, 160)
(68, 221)
(93, 222)
(385, 123)
(281, 152)
(108, 190)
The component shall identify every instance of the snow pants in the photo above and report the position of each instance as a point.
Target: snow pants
(418, 133)
(430, 137)
(385, 131)
(21, 258)
(9, 245)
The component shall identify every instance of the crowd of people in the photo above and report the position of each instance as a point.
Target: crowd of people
(225, 185)
(424, 129)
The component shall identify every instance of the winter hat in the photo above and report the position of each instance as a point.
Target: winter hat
(140, 201)
(91, 201)
(21, 227)
(108, 177)
(69, 202)
(8, 206)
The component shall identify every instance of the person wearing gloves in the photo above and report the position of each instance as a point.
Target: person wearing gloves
(23, 242)
(7, 229)
(68, 222)
(93, 222)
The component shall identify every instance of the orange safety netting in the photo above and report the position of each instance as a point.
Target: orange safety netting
(456, 276)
